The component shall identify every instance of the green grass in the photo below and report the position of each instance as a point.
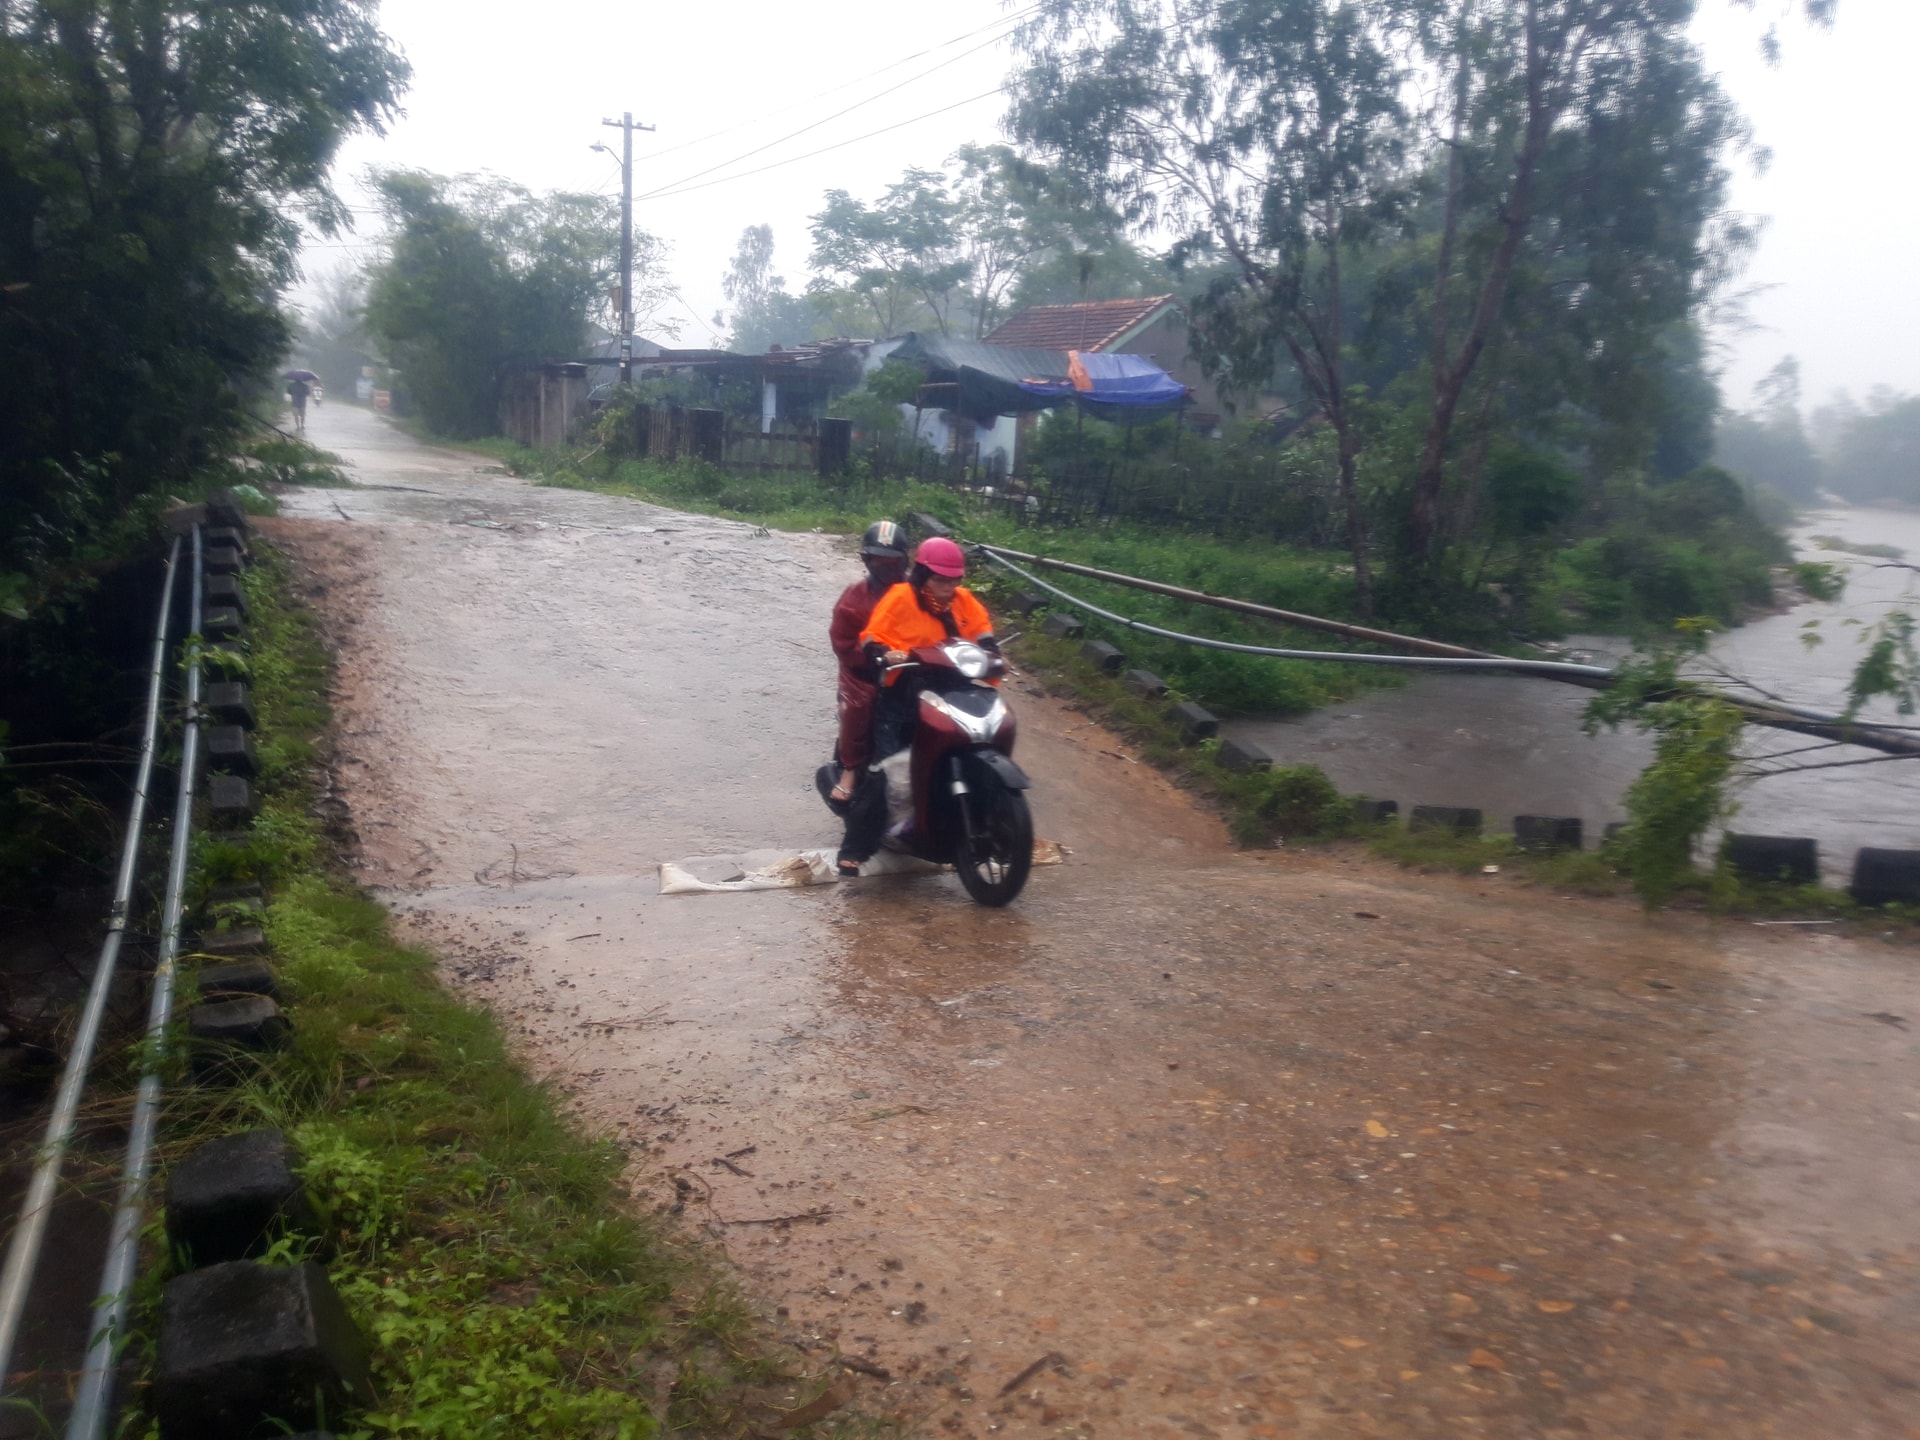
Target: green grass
(483, 1243)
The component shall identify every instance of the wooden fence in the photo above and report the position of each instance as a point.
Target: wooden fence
(677, 432)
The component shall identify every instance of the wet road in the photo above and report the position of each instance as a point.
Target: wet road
(1287, 1144)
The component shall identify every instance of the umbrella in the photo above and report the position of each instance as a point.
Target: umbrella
(306, 375)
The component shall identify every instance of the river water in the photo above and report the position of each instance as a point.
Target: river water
(1511, 745)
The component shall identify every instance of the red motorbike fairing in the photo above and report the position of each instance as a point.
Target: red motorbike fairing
(933, 739)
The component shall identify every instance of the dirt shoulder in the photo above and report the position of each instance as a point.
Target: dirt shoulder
(1287, 1143)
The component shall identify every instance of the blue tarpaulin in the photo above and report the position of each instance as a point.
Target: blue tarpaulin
(989, 380)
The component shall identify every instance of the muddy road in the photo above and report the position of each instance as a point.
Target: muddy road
(1280, 1144)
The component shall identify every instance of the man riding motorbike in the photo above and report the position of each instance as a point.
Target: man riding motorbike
(931, 607)
(883, 549)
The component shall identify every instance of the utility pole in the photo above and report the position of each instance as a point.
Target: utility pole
(626, 127)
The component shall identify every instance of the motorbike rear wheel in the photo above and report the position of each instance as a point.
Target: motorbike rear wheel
(994, 867)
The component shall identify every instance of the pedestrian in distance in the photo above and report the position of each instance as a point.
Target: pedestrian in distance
(298, 391)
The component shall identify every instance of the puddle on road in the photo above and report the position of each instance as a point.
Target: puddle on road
(1245, 1162)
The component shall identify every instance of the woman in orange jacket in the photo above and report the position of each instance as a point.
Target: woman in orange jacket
(929, 608)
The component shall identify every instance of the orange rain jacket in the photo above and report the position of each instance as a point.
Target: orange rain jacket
(901, 622)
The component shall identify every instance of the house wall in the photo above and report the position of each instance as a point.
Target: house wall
(938, 429)
(1163, 340)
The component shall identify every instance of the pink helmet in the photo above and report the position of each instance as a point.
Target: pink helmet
(942, 557)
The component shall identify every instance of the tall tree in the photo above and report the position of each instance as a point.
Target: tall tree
(1271, 135)
(1537, 180)
(1768, 444)
(899, 258)
(481, 275)
(156, 163)
(763, 314)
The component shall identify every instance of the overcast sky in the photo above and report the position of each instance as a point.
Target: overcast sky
(521, 90)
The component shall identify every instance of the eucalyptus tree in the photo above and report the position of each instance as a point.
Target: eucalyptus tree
(1541, 180)
(1275, 136)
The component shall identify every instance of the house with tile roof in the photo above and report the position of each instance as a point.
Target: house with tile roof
(1154, 326)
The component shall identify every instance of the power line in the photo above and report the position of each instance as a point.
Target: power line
(673, 185)
(1010, 22)
(824, 149)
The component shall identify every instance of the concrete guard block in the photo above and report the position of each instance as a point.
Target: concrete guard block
(1461, 819)
(236, 893)
(1062, 626)
(180, 519)
(225, 590)
(231, 703)
(1107, 657)
(254, 1023)
(232, 1197)
(222, 560)
(225, 511)
(230, 798)
(1789, 859)
(231, 944)
(245, 1345)
(1368, 811)
(1882, 877)
(228, 537)
(1195, 722)
(928, 525)
(1243, 756)
(222, 623)
(1548, 832)
(230, 748)
(237, 978)
(1026, 602)
(1145, 682)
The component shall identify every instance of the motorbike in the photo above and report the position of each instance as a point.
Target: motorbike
(969, 807)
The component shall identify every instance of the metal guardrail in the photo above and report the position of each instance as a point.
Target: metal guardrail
(29, 1236)
(93, 1400)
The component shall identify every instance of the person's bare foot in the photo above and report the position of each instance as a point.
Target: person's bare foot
(843, 792)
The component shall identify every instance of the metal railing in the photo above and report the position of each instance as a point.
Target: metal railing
(29, 1236)
(93, 1400)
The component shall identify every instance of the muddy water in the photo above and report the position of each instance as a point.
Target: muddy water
(1274, 1145)
(1512, 746)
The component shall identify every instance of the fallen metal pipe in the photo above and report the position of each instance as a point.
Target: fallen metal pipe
(93, 1398)
(1775, 715)
(1412, 643)
(23, 1255)
(1472, 660)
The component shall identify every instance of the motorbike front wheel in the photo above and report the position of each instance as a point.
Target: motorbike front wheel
(994, 865)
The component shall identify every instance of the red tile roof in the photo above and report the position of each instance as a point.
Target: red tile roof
(1089, 326)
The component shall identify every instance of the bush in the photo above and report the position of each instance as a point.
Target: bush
(1290, 802)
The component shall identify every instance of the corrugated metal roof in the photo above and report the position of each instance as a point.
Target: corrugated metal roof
(1089, 326)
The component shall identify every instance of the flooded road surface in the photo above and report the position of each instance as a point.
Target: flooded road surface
(1513, 746)
(1186, 1142)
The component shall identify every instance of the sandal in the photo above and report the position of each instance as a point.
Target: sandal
(840, 795)
(849, 869)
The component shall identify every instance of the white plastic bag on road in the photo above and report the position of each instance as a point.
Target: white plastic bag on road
(773, 870)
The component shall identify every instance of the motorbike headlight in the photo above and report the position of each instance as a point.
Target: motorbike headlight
(970, 660)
